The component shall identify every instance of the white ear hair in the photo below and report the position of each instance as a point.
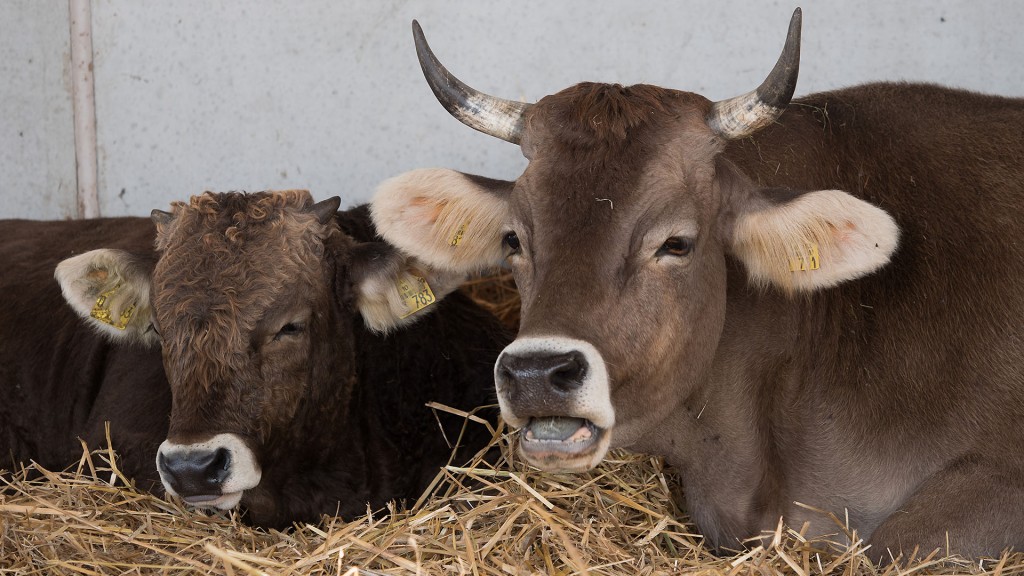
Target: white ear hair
(389, 298)
(110, 291)
(441, 217)
(816, 240)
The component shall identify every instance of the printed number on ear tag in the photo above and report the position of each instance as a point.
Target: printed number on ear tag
(809, 260)
(415, 293)
(456, 238)
(101, 310)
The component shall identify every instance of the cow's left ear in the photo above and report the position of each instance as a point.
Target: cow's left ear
(814, 240)
(392, 289)
(110, 290)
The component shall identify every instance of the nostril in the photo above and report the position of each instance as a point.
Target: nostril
(568, 371)
(504, 371)
(564, 372)
(219, 466)
(195, 472)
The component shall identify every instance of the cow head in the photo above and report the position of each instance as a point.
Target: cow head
(620, 233)
(253, 300)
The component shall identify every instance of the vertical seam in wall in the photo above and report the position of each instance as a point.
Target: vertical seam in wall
(84, 99)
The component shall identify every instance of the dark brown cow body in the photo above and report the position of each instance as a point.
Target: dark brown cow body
(817, 303)
(59, 379)
(356, 432)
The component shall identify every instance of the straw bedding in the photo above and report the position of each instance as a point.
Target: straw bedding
(625, 517)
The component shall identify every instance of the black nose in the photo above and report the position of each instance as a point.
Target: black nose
(195, 472)
(564, 372)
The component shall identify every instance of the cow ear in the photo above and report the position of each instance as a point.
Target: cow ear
(813, 240)
(445, 219)
(392, 289)
(110, 290)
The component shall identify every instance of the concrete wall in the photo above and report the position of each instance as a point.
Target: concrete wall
(37, 140)
(327, 95)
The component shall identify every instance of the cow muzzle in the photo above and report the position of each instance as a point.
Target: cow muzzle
(556, 391)
(210, 474)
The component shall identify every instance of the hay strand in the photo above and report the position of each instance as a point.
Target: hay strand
(479, 518)
(500, 519)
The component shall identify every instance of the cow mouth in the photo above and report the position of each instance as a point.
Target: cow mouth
(222, 501)
(561, 443)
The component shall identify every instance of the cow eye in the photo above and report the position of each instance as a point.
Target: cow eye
(290, 329)
(675, 246)
(512, 242)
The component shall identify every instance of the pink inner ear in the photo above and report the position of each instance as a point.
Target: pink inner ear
(842, 234)
(98, 275)
(430, 208)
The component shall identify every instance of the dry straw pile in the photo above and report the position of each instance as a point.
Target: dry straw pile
(505, 519)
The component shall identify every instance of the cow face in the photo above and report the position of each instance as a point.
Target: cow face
(253, 300)
(620, 234)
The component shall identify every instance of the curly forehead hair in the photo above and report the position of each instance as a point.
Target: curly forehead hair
(237, 210)
(226, 258)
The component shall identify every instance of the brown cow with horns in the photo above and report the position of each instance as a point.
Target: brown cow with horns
(815, 302)
(292, 386)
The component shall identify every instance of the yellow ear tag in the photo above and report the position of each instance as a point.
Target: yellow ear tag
(809, 260)
(101, 311)
(415, 293)
(457, 237)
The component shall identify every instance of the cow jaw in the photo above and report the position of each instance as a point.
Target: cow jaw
(556, 390)
(210, 474)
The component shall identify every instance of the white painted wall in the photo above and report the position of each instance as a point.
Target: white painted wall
(37, 139)
(327, 95)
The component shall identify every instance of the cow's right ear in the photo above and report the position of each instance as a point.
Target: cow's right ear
(447, 220)
(110, 290)
(392, 289)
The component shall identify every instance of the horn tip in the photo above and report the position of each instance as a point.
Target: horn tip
(419, 39)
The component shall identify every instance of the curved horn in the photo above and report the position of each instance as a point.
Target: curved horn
(494, 116)
(743, 115)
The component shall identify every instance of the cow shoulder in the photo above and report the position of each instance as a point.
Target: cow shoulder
(110, 290)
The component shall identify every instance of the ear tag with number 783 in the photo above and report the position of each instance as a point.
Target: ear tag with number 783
(415, 293)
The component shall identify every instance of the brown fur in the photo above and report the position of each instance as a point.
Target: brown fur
(593, 113)
(328, 412)
(895, 398)
(59, 378)
(228, 261)
(335, 413)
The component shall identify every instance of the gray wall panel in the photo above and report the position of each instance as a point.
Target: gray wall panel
(195, 95)
(37, 155)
